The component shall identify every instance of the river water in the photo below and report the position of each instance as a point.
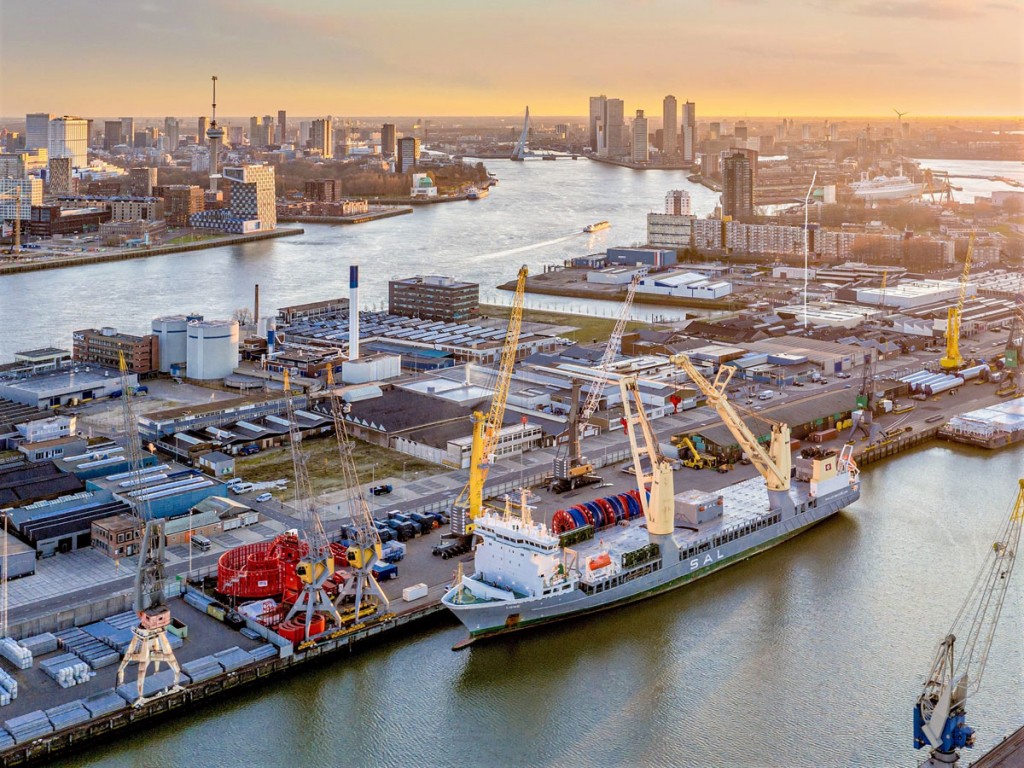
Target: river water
(535, 216)
(811, 654)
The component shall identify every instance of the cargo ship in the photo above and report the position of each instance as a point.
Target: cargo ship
(603, 554)
(597, 227)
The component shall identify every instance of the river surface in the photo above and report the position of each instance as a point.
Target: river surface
(811, 654)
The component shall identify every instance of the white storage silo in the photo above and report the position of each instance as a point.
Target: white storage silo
(212, 351)
(171, 334)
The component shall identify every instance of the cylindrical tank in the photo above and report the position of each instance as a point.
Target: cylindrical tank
(212, 349)
(967, 374)
(943, 386)
(171, 335)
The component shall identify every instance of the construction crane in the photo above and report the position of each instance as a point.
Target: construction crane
(940, 711)
(316, 564)
(570, 468)
(775, 463)
(149, 643)
(952, 360)
(364, 547)
(659, 508)
(486, 429)
(1013, 356)
(864, 416)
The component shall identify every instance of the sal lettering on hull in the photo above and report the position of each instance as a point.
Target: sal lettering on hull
(708, 559)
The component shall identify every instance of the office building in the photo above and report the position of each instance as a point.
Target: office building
(52, 220)
(37, 130)
(29, 190)
(615, 129)
(737, 187)
(112, 134)
(689, 139)
(69, 137)
(598, 121)
(202, 126)
(408, 154)
(128, 130)
(669, 230)
(172, 130)
(180, 202)
(141, 181)
(670, 126)
(432, 297)
(388, 142)
(13, 165)
(322, 190)
(641, 150)
(267, 131)
(104, 346)
(740, 131)
(282, 127)
(677, 202)
(236, 135)
(137, 209)
(321, 138)
(59, 176)
(253, 205)
(715, 131)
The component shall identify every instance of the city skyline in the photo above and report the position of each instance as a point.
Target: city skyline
(738, 58)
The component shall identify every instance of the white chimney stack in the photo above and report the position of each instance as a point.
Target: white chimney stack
(353, 312)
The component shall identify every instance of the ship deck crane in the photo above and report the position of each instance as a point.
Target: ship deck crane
(953, 360)
(659, 508)
(570, 468)
(364, 549)
(149, 643)
(940, 711)
(316, 564)
(486, 429)
(775, 463)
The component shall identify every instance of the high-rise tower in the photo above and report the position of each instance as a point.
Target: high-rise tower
(215, 135)
(670, 127)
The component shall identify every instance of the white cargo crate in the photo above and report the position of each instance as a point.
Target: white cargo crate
(415, 592)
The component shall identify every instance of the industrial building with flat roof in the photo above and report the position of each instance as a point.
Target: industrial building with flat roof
(434, 297)
(64, 387)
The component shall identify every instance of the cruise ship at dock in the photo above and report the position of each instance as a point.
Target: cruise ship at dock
(527, 574)
(885, 188)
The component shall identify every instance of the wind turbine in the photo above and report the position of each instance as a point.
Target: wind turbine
(899, 134)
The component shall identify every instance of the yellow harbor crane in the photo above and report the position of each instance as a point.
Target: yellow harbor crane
(953, 360)
(486, 429)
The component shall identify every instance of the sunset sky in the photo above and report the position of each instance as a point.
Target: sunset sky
(476, 57)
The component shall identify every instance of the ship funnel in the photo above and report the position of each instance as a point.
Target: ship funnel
(353, 312)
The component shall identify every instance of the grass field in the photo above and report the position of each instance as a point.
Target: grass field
(372, 463)
(589, 328)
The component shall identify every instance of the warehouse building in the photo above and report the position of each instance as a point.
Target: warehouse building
(64, 387)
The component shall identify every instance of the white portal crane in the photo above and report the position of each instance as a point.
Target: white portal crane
(149, 643)
(940, 712)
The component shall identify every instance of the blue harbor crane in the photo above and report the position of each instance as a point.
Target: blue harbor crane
(941, 710)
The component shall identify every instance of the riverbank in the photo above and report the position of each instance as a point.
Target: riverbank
(384, 212)
(641, 166)
(144, 252)
(557, 283)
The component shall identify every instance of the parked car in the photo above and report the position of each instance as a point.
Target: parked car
(381, 490)
(263, 497)
(249, 450)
